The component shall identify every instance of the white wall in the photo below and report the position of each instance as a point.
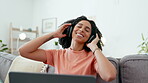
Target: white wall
(19, 12)
(63, 10)
(122, 22)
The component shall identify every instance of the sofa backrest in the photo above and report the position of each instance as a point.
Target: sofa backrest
(134, 69)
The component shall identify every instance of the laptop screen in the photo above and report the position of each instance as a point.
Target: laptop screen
(26, 77)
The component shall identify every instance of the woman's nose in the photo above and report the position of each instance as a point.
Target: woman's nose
(81, 29)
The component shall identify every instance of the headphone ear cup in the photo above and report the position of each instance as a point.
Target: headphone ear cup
(69, 31)
(91, 38)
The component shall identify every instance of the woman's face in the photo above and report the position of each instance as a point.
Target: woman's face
(81, 31)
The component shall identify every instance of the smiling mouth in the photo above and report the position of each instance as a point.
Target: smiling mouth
(79, 35)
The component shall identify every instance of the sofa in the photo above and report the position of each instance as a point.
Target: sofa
(130, 68)
(5, 63)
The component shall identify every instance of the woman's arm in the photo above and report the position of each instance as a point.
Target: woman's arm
(106, 69)
(31, 49)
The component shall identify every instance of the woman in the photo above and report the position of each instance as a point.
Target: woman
(81, 54)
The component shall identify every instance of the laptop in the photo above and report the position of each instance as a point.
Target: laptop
(26, 77)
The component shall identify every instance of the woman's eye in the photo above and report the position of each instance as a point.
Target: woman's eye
(87, 30)
(79, 26)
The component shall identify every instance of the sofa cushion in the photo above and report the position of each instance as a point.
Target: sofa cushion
(21, 64)
(5, 62)
(115, 62)
(134, 69)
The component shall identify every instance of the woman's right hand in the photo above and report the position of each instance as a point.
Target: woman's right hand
(59, 32)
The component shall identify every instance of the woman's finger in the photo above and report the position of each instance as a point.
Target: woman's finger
(64, 26)
(96, 39)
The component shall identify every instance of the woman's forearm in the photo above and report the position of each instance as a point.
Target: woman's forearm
(106, 69)
(33, 45)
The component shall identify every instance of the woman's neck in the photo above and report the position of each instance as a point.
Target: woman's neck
(76, 46)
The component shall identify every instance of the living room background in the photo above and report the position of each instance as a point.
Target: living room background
(120, 21)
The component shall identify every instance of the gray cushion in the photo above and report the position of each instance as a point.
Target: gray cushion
(134, 69)
(5, 62)
(115, 62)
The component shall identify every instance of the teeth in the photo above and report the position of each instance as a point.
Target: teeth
(80, 35)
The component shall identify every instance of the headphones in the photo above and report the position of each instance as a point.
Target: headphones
(66, 41)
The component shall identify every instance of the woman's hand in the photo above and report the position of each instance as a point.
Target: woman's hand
(60, 30)
(93, 44)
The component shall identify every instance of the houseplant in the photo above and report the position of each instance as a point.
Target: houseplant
(3, 47)
(56, 44)
(144, 45)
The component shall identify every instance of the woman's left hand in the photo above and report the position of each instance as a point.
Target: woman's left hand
(93, 44)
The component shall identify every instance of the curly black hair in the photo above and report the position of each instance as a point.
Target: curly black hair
(66, 41)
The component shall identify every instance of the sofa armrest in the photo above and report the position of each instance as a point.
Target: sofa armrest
(134, 68)
(5, 62)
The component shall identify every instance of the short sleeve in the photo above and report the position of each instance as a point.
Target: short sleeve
(50, 57)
